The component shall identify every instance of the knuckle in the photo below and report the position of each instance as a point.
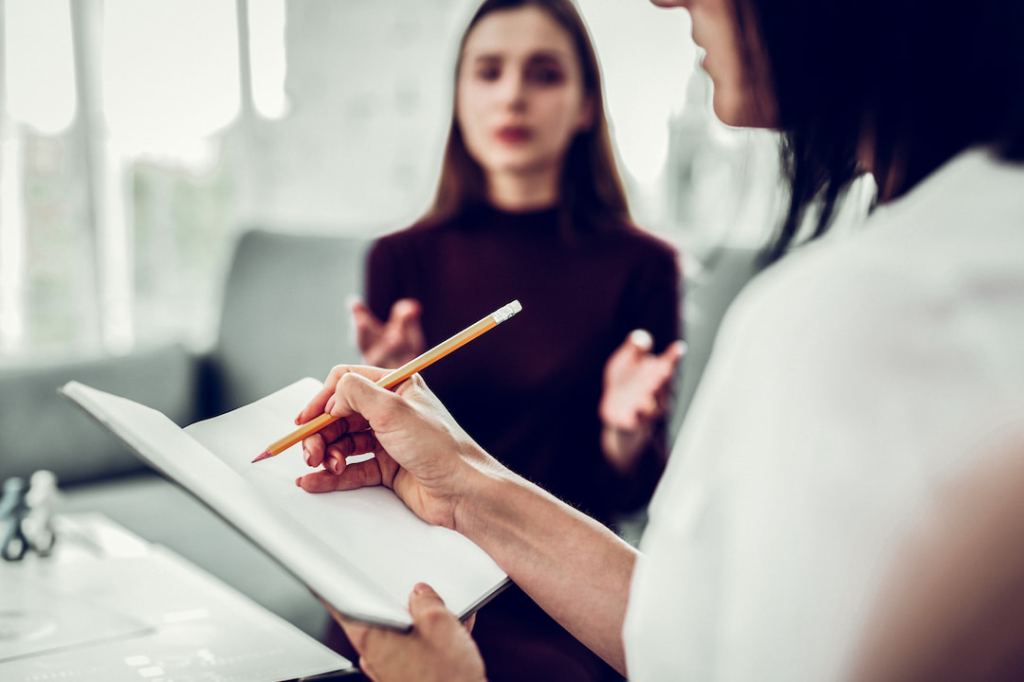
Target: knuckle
(413, 387)
(433, 619)
(399, 400)
(371, 641)
(367, 477)
(367, 443)
(367, 667)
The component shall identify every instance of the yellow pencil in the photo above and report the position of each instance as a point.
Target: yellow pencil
(397, 376)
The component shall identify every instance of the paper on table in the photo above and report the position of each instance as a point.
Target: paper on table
(35, 618)
(194, 627)
(360, 550)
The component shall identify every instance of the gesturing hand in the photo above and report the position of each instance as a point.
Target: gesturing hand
(394, 342)
(438, 648)
(637, 385)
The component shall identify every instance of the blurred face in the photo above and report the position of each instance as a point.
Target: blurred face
(742, 92)
(519, 98)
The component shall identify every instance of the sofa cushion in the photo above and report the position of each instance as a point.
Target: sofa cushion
(284, 315)
(39, 429)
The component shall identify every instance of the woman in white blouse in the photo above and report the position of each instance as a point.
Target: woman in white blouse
(848, 383)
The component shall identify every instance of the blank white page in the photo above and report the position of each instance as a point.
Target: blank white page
(399, 549)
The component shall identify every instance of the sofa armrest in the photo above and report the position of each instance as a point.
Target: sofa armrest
(39, 429)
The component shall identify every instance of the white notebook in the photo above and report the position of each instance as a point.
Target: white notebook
(360, 550)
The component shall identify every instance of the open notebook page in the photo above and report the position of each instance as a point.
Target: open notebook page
(362, 550)
(395, 547)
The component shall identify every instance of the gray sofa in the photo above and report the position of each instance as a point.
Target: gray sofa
(283, 317)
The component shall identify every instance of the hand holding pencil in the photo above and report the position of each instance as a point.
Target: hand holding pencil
(420, 451)
(329, 414)
(408, 431)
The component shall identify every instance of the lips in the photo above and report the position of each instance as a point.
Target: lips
(513, 134)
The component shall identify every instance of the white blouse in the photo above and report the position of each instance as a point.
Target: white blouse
(846, 384)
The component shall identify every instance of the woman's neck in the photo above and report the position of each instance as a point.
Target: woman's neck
(523, 191)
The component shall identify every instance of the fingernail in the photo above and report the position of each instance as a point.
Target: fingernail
(421, 588)
(642, 339)
(330, 405)
(298, 482)
(308, 456)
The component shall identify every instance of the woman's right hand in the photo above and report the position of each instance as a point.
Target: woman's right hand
(419, 450)
(394, 342)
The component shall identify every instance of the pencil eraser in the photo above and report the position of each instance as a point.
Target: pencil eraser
(506, 312)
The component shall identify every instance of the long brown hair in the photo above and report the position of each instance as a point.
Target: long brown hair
(590, 193)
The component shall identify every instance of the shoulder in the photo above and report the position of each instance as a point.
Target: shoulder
(831, 296)
(417, 232)
(644, 242)
(408, 240)
(927, 293)
(912, 313)
(642, 249)
(925, 261)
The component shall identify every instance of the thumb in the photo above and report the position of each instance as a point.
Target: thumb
(367, 326)
(361, 312)
(377, 405)
(675, 351)
(404, 310)
(406, 317)
(641, 340)
(424, 601)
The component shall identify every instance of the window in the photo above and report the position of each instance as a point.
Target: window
(37, 203)
(121, 163)
(137, 135)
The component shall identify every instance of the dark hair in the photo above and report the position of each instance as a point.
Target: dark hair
(916, 81)
(590, 191)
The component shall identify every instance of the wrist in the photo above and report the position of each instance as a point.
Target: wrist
(485, 482)
(622, 447)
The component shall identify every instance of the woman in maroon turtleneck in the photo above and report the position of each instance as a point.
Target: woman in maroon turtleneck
(530, 207)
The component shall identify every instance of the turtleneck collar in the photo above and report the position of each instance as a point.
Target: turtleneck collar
(487, 215)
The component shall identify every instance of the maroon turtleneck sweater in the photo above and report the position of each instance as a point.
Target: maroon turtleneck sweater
(528, 391)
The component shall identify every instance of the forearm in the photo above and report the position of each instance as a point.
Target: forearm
(572, 566)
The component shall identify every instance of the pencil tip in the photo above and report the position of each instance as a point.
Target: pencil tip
(262, 455)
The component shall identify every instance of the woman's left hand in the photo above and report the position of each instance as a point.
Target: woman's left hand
(439, 647)
(637, 385)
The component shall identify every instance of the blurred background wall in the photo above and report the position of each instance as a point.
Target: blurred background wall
(138, 137)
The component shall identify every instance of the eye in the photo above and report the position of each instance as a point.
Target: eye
(545, 74)
(488, 72)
